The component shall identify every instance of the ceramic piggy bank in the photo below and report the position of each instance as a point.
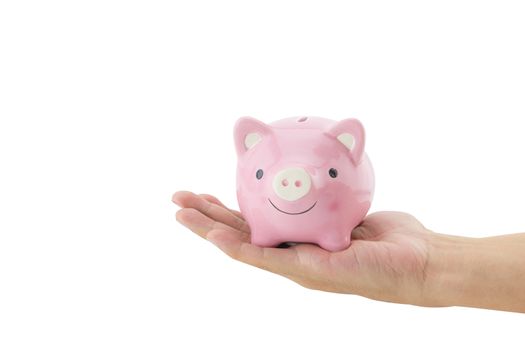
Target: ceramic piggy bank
(303, 179)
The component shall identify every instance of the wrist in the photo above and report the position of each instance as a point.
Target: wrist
(475, 272)
(450, 273)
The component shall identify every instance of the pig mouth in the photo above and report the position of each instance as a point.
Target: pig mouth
(298, 213)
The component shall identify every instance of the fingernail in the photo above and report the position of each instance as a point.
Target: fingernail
(175, 200)
(178, 216)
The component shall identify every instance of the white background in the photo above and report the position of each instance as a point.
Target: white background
(107, 107)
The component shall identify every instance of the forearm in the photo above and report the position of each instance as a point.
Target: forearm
(477, 272)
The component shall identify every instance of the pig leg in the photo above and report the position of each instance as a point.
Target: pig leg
(335, 241)
(264, 240)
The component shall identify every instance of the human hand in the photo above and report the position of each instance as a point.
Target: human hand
(387, 259)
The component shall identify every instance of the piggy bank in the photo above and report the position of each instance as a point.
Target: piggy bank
(303, 180)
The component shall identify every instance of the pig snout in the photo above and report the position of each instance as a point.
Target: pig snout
(292, 184)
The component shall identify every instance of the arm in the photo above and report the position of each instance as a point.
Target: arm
(477, 272)
(393, 257)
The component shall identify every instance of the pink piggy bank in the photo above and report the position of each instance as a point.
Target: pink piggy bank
(304, 179)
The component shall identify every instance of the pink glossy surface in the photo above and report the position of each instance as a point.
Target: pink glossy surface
(337, 204)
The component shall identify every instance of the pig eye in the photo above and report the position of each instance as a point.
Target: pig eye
(259, 174)
(332, 172)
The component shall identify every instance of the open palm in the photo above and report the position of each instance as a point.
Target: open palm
(386, 260)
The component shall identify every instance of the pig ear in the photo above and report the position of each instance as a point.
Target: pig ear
(248, 132)
(351, 134)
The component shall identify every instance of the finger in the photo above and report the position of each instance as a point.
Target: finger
(214, 200)
(213, 211)
(285, 262)
(202, 225)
